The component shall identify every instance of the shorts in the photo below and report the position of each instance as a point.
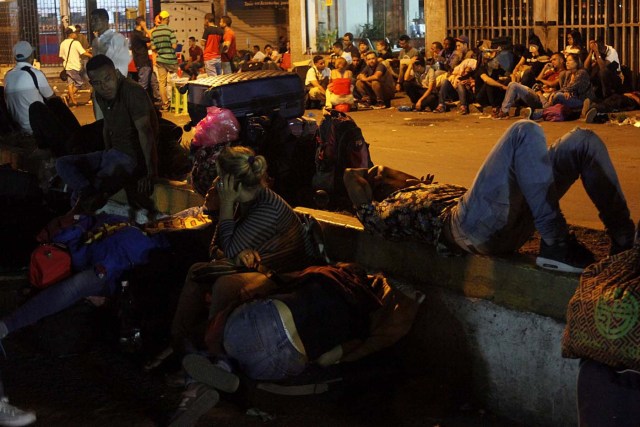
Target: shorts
(74, 78)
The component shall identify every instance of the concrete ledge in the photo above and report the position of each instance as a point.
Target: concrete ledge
(513, 282)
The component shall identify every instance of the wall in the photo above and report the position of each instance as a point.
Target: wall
(187, 19)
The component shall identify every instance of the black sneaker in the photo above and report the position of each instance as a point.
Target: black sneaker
(567, 256)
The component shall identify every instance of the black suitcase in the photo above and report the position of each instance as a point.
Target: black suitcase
(251, 93)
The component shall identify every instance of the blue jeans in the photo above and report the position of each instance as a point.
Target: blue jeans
(447, 93)
(517, 91)
(520, 183)
(58, 297)
(255, 337)
(560, 98)
(226, 68)
(104, 171)
(213, 67)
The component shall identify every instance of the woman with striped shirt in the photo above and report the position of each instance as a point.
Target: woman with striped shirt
(256, 229)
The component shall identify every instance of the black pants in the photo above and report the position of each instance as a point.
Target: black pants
(615, 103)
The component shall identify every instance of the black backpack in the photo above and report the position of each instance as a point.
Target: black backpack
(340, 145)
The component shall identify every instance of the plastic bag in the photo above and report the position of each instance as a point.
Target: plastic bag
(219, 126)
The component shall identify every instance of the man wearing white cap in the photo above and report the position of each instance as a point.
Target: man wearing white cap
(20, 89)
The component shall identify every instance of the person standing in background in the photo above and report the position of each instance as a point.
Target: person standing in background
(164, 42)
(229, 50)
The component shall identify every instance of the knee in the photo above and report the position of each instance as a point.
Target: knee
(583, 141)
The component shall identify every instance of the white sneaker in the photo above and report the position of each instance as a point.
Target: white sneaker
(11, 416)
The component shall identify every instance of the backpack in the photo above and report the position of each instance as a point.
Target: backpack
(556, 113)
(340, 145)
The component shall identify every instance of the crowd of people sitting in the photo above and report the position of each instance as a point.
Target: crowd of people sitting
(257, 301)
(577, 82)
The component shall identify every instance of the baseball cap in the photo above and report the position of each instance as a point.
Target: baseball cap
(462, 39)
(164, 14)
(72, 28)
(22, 50)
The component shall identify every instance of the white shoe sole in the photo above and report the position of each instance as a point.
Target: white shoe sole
(551, 264)
(200, 406)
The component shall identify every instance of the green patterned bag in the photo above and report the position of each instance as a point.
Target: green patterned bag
(603, 317)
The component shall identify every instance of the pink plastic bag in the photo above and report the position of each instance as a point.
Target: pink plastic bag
(220, 126)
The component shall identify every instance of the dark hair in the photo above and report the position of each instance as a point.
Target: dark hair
(101, 13)
(452, 43)
(192, 38)
(533, 39)
(267, 46)
(317, 58)
(576, 57)
(210, 17)
(255, 46)
(577, 37)
(349, 36)
(139, 20)
(383, 43)
(438, 45)
(404, 38)
(68, 31)
(227, 20)
(363, 41)
(99, 61)
(370, 53)
(419, 61)
(78, 28)
(338, 44)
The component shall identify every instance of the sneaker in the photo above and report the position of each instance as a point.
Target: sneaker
(590, 116)
(463, 110)
(12, 416)
(526, 113)
(202, 370)
(197, 400)
(379, 106)
(586, 106)
(475, 108)
(440, 109)
(501, 115)
(568, 256)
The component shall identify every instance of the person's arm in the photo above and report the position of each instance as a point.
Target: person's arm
(313, 81)
(148, 146)
(408, 75)
(492, 82)
(431, 86)
(226, 41)
(377, 75)
(593, 47)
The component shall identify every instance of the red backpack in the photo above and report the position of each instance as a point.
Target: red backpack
(50, 263)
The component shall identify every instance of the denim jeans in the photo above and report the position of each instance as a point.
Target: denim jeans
(520, 183)
(58, 297)
(560, 98)
(226, 68)
(213, 67)
(447, 93)
(517, 91)
(255, 337)
(105, 171)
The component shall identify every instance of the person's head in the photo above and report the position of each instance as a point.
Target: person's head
(338, 48)
(419, 65)
(462, 43)
(99, 20)
(139, 21)
(436, 47)
(347, 40)
(535, 44)
(268, 49)
(601, 45)
(165, 17)
(245, 167)
(157, 20)
(192, 41)
(225, 21)
(341, 63)
(23, 52)
(403, 42)
(574, 38)
(382, 46)
(318, 62)
(70, 32)
(78, 28)
(573, 62)
(363, 46)
(103, 76)
(449, 44)
(256, 48)
(371, 59)
(557, 61)
(209, 19)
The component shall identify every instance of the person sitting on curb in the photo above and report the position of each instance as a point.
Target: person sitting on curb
(419, 82)
(130, 134)
(289, 332)
(317, 79)
(375, 83)
(517, 189)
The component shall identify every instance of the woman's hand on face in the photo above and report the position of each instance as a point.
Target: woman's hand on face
(249, 258)
(226, 191)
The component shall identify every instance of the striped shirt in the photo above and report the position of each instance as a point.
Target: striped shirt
(163, 39)
(270, 227)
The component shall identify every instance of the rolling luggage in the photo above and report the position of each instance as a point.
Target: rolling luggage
(251, 93)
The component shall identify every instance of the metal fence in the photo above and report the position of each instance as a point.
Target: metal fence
(617, 21)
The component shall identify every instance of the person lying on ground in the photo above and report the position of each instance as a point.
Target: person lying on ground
(517, 190)
(289, 331)
(599, 112)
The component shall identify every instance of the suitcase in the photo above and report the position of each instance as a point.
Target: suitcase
(251, 93)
